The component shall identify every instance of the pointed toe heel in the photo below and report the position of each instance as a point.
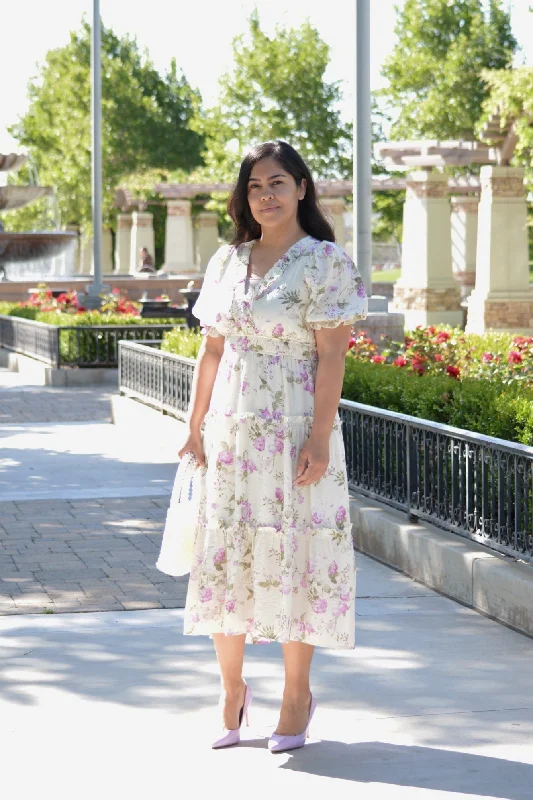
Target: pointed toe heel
(279, 743)
(233, 735)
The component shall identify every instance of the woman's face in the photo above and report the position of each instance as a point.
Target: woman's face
(273, 194)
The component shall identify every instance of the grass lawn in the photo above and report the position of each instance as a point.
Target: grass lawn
(386, 276)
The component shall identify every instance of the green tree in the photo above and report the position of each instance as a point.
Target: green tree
(145, 122)
(276, 90)
(387, 206)
(435, 83)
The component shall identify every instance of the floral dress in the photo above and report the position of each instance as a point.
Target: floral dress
(273, 561)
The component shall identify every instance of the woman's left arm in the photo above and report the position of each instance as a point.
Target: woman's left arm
(332, 345)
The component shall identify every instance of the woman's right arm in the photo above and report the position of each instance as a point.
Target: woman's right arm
(205, 372)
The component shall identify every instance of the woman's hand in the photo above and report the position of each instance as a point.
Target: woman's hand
(193, 444)
(313, 461)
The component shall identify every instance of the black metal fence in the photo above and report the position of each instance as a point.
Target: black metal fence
(162, 380)
(473, 485)
(73, 346)
(35, 339)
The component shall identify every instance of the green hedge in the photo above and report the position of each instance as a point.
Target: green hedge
(86, 318)
(182, 343)
(475, 404)
(483, 406)
(83, 347)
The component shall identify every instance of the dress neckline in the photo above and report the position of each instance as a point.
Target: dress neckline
(244, 252)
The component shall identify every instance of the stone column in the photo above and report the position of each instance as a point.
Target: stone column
(107, 251)
(179, 237)
(502, 299)
(123, 244)
(206, 238)
(334, 208)
(142, 235)
(464, 241)
(73, 255)
(87, 254)
(426, 292)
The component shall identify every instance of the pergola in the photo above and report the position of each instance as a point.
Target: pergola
(447, 244)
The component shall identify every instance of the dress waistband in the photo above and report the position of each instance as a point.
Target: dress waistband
(275, 346)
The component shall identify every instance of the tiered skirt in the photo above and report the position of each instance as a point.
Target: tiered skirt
(272, 561)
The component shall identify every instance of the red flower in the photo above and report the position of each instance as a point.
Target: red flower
(514, 357)
(378, 359)
(431, 330)
(453, 372)
(81, 309)
(401, 361)
(408, 341)
(442, 336)
(352, 341)
(438, 357)
(116, 290)
(486, 358)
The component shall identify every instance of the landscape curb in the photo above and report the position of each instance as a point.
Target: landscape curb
(44, 375)
(493, 584)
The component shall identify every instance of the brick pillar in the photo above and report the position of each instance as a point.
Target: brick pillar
(334, 208)
(426, 292)
(206, 238)
(502, 298)
(123, 244)
(142, 235)
(464, 241)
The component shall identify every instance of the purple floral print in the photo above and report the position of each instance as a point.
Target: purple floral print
(225, 457)
(206, 594)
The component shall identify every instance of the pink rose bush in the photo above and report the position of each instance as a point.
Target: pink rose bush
(451, 352)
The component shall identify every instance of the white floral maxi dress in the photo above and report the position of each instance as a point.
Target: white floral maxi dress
(273, 561)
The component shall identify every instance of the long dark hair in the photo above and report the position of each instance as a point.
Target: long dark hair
(310, 216)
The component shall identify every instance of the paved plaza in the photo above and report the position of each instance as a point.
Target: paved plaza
(434, 702)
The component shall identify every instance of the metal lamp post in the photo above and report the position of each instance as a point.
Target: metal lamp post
(96, 287)
(362, 146)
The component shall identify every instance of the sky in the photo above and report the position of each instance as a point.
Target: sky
(199, 35)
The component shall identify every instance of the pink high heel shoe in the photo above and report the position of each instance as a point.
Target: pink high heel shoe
(279, 743)
(233, 736)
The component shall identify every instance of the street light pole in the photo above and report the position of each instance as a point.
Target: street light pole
(362, 146)
(94, 289)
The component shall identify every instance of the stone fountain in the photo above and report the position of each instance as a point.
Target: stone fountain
(28, 254)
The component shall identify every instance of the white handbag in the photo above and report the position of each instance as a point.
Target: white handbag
(177, 547)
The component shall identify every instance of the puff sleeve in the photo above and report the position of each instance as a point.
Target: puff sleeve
(208, 304)
(336, 289)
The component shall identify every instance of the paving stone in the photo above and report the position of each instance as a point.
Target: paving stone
(134, 605)
(85, 555)
(173, 601)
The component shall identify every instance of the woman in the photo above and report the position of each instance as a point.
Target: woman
(274, 558)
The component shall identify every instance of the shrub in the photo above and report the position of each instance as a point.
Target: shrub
(476, 404)
(491, 404)
(182, 343)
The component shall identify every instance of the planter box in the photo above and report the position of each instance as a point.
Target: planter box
(76, 346)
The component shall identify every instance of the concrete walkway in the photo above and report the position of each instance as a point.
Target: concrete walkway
(434, 702)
